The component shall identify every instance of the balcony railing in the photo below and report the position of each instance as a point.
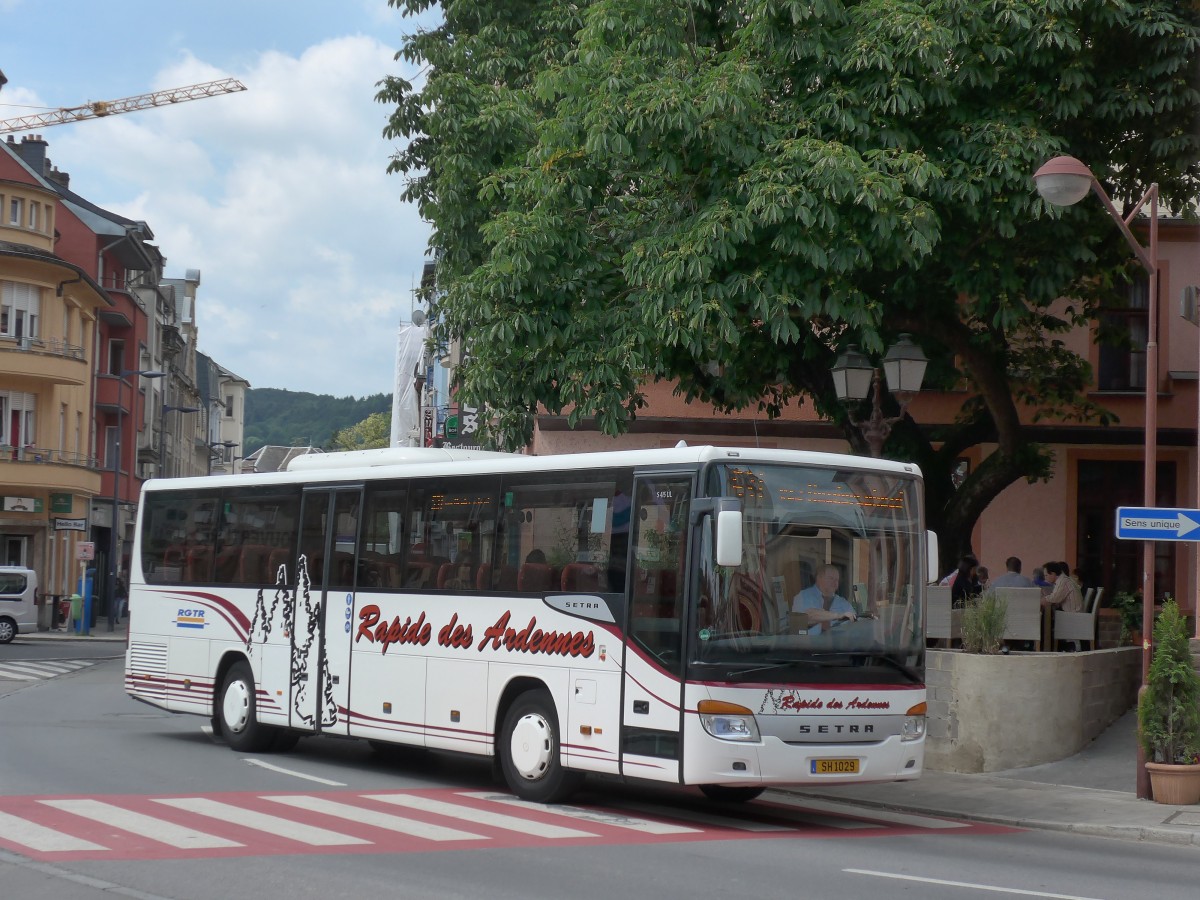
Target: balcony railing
(43, 455)
(51, 346)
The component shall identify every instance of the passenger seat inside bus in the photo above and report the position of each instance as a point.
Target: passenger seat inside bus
(534, 577)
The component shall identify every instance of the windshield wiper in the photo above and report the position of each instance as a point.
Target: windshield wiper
(891, 662)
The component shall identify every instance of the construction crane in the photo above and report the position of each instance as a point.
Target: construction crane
(101, 108)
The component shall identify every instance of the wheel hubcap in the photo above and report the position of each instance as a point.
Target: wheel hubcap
(531, 747)
(7, 632)
(235, 709)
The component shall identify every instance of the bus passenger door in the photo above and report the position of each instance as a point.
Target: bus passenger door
(652, 693)
(320, 672)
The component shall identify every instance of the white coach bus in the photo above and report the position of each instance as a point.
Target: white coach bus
(727, 618)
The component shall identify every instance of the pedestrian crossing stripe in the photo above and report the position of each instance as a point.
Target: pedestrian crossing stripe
(252, 824)
(40, 670)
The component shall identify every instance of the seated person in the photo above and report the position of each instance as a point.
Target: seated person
(822, 604)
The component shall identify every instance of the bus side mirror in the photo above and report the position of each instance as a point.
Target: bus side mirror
(932, 572)
(729, 534)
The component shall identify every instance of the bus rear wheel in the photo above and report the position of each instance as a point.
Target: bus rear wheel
(531, 752)
(725, 794)
(238, 710)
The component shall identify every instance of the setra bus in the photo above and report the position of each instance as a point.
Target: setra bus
(726, 618)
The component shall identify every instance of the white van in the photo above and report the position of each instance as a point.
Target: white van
(18, 606)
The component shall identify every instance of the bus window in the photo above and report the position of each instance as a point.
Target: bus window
(449, 535)
(565, 535)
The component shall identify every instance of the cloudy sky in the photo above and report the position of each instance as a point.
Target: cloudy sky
(278, 194)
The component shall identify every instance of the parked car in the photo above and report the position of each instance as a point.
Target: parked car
(18, 601)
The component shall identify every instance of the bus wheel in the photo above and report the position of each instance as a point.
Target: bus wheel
(239, 723)
(723, 794)
(530, 753)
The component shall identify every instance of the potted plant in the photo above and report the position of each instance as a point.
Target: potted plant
(1128, 605)
(1169, 712)
(984, 621)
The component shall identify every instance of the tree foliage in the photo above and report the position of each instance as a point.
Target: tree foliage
(371, 433)
(724, 194)
(295, 418)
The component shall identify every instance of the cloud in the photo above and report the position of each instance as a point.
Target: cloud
(280, 196)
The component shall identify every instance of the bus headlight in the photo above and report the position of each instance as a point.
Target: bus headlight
(727, 721)
(914, 724)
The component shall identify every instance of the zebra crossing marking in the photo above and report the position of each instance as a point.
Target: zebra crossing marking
(39, 837)
(142, 825)
(376, 819)
(280, 827)
(480, 816)
(245, 824)
(598, 816)
(41, 670)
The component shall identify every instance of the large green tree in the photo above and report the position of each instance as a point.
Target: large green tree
(724, 194)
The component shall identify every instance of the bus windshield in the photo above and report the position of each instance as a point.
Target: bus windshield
(830, 579)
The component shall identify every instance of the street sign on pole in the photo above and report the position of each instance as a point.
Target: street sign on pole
(1139, 523)
(85, 550)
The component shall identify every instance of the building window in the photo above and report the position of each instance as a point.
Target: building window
(17, 419)
(33, 215)
(16, 206)
(229, 406)
(20, 309)
(116, 357)
(1124, 332)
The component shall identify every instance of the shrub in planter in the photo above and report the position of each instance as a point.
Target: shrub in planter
(984, 621)
(1169, 708)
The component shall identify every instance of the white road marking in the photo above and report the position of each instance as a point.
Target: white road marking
(695, 815)
(38, 837)
(14, 675)
(285, 828)
(377, 819)
(293, 773)
(996, 889)
(600, 817)
(146, 826)
(880, 815)
(479, 816)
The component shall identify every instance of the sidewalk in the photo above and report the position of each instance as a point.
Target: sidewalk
(99, 632)
(1093, 792)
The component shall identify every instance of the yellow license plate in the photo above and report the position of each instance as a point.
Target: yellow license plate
(835, 767)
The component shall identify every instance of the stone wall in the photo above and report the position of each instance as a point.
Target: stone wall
(989, 713)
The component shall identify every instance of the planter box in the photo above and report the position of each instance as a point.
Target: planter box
(990, 713)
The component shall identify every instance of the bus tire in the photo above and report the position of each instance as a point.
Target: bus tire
(531, 753)
(725, 794)
(239, 719)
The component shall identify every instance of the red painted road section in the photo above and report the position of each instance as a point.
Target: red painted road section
(130, 827)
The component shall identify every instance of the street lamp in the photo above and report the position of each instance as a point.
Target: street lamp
(212, 449)
(1064, 181)
(113, 549)
(854, 375)
(162, 429)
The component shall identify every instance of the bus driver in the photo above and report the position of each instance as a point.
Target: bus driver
(821, 603)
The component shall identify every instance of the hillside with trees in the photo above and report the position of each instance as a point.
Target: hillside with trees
(289, 418)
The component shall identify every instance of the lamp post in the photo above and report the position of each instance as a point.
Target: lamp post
(1064, 181)
(162, 429)
(854, 375)
(212, 448)
(118, 449)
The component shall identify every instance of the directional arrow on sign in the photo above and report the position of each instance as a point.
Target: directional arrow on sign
(1137, 523)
